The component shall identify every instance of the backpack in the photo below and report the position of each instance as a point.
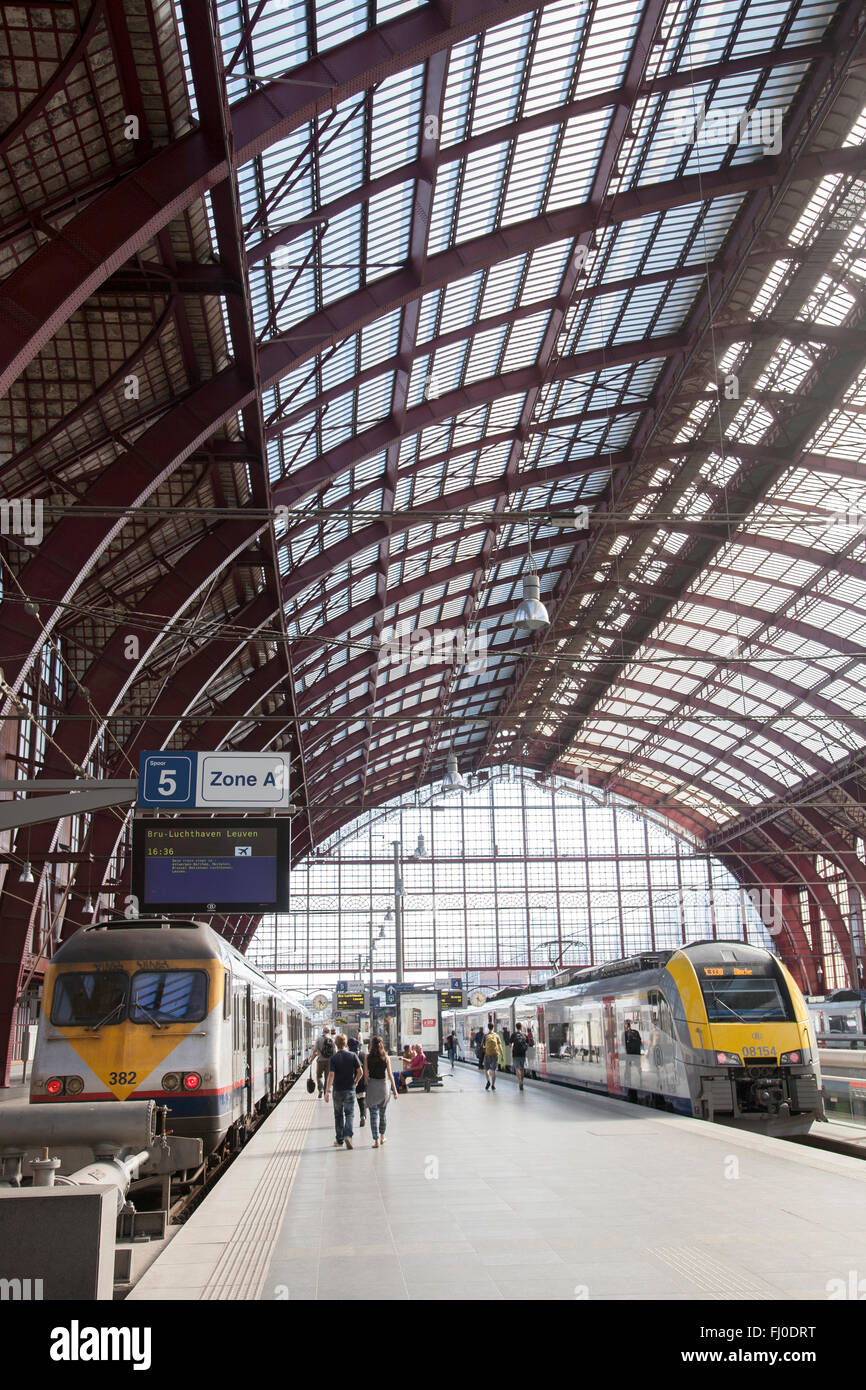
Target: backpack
(326, 1047)
(519, 1045)
(491, 1045)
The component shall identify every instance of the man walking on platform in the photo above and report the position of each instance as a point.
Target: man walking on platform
(323, 1051)
(494, 1055)
(344, 1072)
(519, 1049)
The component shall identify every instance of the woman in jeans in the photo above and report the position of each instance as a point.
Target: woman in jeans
(380, 1087)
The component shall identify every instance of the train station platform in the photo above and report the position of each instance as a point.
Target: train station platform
(545, 1194)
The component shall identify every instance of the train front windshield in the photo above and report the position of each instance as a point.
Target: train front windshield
(734, 999)
(86, 998)
(168, 996)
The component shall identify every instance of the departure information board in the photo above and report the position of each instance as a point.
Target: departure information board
(225, 865)
(451, 998)
(350, 1001)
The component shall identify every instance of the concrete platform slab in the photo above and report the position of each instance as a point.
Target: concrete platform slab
(547, 1193)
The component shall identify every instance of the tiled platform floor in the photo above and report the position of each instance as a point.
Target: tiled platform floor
(548, 1194)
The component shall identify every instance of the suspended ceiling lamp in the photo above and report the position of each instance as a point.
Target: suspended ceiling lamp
(27, 875)
(531, 614)
(420, 849)
(88, 904)
(453, 781)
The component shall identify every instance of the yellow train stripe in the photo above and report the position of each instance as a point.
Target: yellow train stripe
(134, 1050)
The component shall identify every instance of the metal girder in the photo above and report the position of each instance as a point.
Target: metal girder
(548, 352)
(818, 889)
(761, 673)
(815, 95)
(801, 864)
(42, 294)
(681, 79)
(751, 872)
(151, 277)
(42, 809)
(433, 101)
(216, 116)
(836, 848)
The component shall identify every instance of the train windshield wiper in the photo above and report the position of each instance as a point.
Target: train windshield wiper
(94, 1026)
(137, 1004)
(718, 1000)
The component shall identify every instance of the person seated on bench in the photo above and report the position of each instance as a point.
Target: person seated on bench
(400, 1067)
(415, 1070)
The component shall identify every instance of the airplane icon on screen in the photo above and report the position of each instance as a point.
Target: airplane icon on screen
(243, 851)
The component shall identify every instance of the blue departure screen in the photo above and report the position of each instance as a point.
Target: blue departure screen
(225, 866)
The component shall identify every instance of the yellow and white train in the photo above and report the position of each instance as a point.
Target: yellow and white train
(164, 1009)
(723, 1034)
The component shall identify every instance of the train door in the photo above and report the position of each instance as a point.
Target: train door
(273, 1025)
(248, 1044)
(540, 1044)
(611, 1045)
(238, 1050)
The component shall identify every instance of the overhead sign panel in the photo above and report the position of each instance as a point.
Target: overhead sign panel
(451, 998)
(350, 1001)
(226, 865)
(214, 781)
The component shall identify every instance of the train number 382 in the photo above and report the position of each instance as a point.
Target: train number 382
(121, 1078)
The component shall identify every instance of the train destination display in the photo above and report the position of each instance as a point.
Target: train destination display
(451, 998)
(211, 865)
(349, 1000)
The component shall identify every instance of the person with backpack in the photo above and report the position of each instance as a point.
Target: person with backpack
(633, 1049)
(494, 1056)
(323, 1051)
(344, 1071)
(519, 1049)
(478, 1044)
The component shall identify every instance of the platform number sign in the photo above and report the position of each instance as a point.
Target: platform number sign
(214, 781)
(168, 779)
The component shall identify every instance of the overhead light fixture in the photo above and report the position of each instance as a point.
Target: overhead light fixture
(531, 613)
(453, 779)
(88, 904)
(389, 915)
(26, 875)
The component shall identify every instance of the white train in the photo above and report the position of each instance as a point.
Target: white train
(164, 1009)
(724, 1035)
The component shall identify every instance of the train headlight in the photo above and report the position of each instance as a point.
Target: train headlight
(191, 1081)
(790, 1059)
(171, 1081)
(728, 1059)
(74, 1085)
(54, 1085)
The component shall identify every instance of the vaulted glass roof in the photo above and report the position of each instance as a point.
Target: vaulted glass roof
(553, 267)
(387, 306)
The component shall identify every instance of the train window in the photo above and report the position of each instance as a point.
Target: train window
(168, 996)
(734, 999)
(89, 999)
(227, 995)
